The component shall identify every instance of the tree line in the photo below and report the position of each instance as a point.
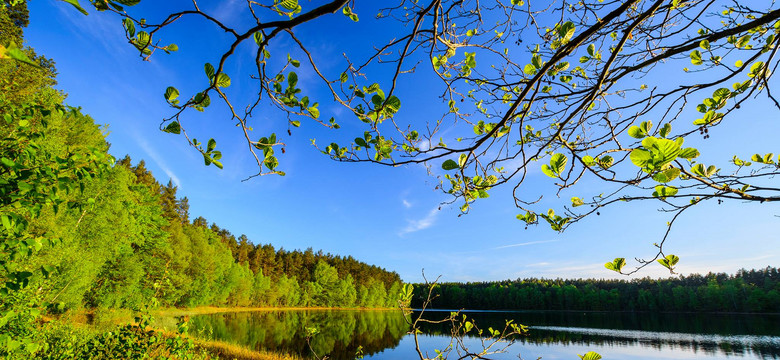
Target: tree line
(745, 291)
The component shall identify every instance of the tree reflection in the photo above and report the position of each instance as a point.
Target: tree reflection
(340, 332)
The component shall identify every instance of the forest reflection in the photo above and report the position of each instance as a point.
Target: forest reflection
(341, 332)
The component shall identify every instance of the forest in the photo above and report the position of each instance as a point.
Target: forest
(745, 291)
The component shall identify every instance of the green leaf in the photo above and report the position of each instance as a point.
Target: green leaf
(292, 79)
(8, 162)
(258, 36)
(548, 171)
(665, 130)
(689, 153)
(641, 157)
(663, 192)
(696, 57)
(142, 40)
(290, 5)
(129, 26)
(590, 355)
(667, 175)
(756, 68)
(566, 31)
(6, 317)
(450, 165)
(530, 69)
(743, 41)
(669, 261)
(171, 93)
(209, 71)
(721, 94)
(271, 162)
(223, 80)
(467, 326)
(575, 201)
(536, 60)
(6, 222)
(173, 128)
(701, 170)
(76, 4)
(314, 112)
(605, 161)
(636, 132)
(211, 145)
(588, 160)
(393, 104)
(344, 77)
(558, 163)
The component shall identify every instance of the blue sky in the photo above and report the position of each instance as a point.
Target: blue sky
(391, 217)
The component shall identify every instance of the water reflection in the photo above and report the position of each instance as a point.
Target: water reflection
(340, 332)
(380, 333)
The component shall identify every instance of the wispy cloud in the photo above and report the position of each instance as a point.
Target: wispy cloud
(524, 244)
(406, 203)
(228, 10)
(111, 33)
(539, 264)
(421, 224)
(155, 156)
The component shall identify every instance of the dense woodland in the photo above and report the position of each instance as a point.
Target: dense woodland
(746, 291)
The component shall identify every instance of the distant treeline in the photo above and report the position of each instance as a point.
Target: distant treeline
(746, 291)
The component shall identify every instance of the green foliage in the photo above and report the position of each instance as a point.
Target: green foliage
(616, 265)
(669, 261)
(655, 154)
(36, 180)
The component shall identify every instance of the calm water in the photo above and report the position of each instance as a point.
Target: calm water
(382, 334)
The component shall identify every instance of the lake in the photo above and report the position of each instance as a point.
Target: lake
(553, 335)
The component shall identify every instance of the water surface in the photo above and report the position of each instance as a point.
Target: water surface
(553, 335)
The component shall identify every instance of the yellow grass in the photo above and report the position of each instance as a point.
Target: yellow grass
(228, 351)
